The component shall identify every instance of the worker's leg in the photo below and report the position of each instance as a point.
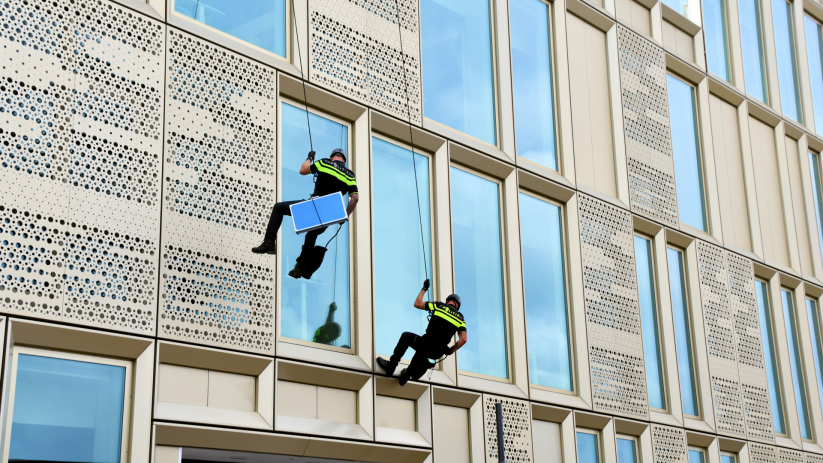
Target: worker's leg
(407, 340)
(311, 239)
(276, 218)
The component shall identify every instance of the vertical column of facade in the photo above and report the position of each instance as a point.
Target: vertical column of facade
(81, 171)
(647, 132)
(218, 190)
(754, 386)
(612, 310)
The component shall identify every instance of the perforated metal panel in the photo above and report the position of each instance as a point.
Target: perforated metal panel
(646, 125)
(80, 179)
(517, 429)
(219, 179)
(754, 384)
(612, 310)
(759, 453)
(669, 444)
(355, 50)
(789, 456)
(813, 458)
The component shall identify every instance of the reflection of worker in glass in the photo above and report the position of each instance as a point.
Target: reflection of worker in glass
(444, 321)
(330, 331)
(331, 176)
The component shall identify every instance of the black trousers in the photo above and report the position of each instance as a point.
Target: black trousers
(276, 219)
(423, 351)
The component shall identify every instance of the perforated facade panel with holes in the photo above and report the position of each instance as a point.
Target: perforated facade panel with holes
(719, 322)
(612, 310)
(219, 187)
(517, 429)
(669, 444)
(813, 458)
(754, 384)
(355, 50)
(789, 456)
(80, 178)
(646, 125)
(760, 453)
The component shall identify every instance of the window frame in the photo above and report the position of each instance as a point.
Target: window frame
(504, 259)
(731, 455)
(764, 60)
(637, 449)
(687, 292)
(598, 438)
(817, 193)
(128, 393)
(433, 278)
(819, 348)
(801, 106)
(732, 80)
(775, 348)
(661, 346)
(283, 99)
(694, 448)
(801, 361)
(564, 231)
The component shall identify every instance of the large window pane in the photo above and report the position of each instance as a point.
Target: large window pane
(726, 458)
(817, 347)
(304, 304)
(458, 70)
(66, 410)
(259, 22)
(717, 38)
(648, 316)
(770, 356)
(688, 169)
(626, 450)
(587, 448)
(478, 272)
(696, 456)
(399, 263)
(814, 169)
(796, 363)
(544, 282)
(751, 39)
(532, 79)
(682, 332)
(814, 51)
(786, 59)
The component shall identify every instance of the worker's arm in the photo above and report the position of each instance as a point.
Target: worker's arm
(418, 303)
(305, 169)
(460, 342)
(332, 310)
(353, 198)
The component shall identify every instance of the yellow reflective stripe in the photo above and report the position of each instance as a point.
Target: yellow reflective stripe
(449, 317)
(335, 173)
(432, 307)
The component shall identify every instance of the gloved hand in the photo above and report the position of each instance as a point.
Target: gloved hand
(449, 351)
(426, 285)
(333, 307)
(311, 156)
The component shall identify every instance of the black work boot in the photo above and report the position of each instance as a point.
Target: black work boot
(268, 247)
(295, 272)
(404, 376)
(386, 365)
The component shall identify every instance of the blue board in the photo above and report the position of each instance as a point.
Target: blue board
(318, 212)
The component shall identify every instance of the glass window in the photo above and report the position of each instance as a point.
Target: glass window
(67, 410)
(261, 23)
(646, 288)
(814, 51)
(814, 169)
(796, 363)
(770, 355)
(587, 448)
(458, 70)
(544, 282)
(682, 332)
(786, 59)
(626, 450)
(728, 458)
(696, 456)
(478, 272)
(400, 265)
(304, 304)
(817, 347)
(681, 6)
(688, 169)
(717, 38)
(751, 38)
(532, 82)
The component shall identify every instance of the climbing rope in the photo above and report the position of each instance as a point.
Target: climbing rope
(302, 76)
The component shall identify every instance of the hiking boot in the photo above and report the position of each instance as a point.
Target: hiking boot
(268, 247)
(404, 377)
(387, 365)
(295, 272)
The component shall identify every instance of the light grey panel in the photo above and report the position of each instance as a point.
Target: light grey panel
(760, 453)
(517, 429)
(219, 188)
(669, 444)
(612, 310)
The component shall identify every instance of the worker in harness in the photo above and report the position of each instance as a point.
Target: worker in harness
(331, 176)
(444, 321)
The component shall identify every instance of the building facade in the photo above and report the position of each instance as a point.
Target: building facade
(626, 194)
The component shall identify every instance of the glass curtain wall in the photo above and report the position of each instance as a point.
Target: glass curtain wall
(682, 332)
(817, 347)
(697, 456)
(814, 52)
(814, 169)
(770, 355)
(305, 304)
(626, 450)
(751, 39)
(458, 66)
(786, 59)
(688, 168)
(648, 315)
(544, 282)
(717, 38)
(478, 272)
(796, 363)
(261, 23)
(533, 81)
(400, 262)
(588, 448)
